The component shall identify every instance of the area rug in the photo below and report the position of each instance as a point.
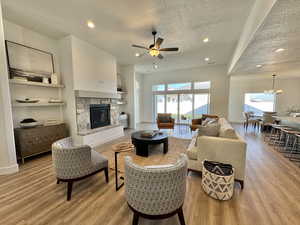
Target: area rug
(156, 156)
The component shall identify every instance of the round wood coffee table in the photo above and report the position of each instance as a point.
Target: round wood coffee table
(142, 143)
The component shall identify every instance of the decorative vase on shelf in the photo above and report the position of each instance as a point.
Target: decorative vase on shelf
(45, 80)
(54, 79)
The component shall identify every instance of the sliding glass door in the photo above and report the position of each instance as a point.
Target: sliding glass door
(185, 108)
(184, 101)
(201, 105)
(159, 104)
(172, 105)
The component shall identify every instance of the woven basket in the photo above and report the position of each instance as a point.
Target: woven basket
(217, 186)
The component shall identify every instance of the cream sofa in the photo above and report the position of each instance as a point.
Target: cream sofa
(229, 147)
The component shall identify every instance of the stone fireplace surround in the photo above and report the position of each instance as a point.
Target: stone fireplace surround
(83, 113)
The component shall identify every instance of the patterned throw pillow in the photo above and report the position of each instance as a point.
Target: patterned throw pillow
(209, 130)
(209, 121)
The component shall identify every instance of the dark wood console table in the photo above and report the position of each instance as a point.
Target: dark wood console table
(37, 140)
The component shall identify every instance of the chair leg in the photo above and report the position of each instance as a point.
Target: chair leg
(135, 220)
(181, 217)
(241, 183)
(106, 174)
(69, 191)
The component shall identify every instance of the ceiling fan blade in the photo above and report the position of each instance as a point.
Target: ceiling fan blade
(158, 42)
(160, 56)
(139, 46)
(169, 49)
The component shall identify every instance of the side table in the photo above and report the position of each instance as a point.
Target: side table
(120, 148)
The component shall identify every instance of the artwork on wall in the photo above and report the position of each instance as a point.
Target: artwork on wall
(27, 62)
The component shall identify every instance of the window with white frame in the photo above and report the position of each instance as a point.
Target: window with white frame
(184, 101)
(259, 103)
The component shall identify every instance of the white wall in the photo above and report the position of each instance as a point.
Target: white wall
(93, 69)
(128, 76)
(82, 67)
(254, 84)
(68, 92)
(22, 35)
(8, 162)
(139, 105)
(219, 87)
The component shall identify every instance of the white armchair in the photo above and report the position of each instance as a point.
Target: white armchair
(156, 192)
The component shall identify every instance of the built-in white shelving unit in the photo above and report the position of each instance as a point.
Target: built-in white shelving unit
(17, 104)
(30, 83)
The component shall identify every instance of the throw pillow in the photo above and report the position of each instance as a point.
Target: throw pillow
(192, 153)
(212, 121)
(209, 130)
(227, 133)
(209, 121)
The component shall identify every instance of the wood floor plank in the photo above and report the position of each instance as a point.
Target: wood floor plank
(271, 195)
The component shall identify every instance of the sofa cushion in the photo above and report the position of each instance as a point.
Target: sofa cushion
(192, 153)
(226, 132)
(209, 130)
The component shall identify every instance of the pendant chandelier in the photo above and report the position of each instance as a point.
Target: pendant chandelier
(273, 90)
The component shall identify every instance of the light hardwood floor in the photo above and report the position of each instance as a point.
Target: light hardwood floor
(271, 196)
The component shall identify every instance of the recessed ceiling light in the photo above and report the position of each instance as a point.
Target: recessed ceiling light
(258, 66)
(91, 24)
(205, 40)
(279, 50)
(207, 59)
(137, 54)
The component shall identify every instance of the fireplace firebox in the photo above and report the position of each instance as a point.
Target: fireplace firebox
(99, 115)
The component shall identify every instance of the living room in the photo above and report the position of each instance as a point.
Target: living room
(130, 112)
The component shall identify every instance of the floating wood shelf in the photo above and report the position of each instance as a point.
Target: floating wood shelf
(122, 92)
(45, 104)
(40, 84)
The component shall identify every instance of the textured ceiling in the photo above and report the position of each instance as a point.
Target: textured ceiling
(281, 29)
(182, 23)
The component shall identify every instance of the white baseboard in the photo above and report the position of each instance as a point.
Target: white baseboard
(9, 169)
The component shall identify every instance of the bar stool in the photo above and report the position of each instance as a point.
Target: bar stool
(267, 133)
(281, 143)
(289, 142)
(276, 131)
(295, 150)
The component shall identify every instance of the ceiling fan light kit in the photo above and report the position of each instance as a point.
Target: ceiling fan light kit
(154, 49)
(154, 52)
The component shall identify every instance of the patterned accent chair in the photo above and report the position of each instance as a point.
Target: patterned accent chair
(75, 163)
(156, 192)
(165, 121)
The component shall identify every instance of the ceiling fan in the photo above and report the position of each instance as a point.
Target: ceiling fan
(154, 49)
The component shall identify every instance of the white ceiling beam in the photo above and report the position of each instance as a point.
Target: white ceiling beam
(257, 16)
